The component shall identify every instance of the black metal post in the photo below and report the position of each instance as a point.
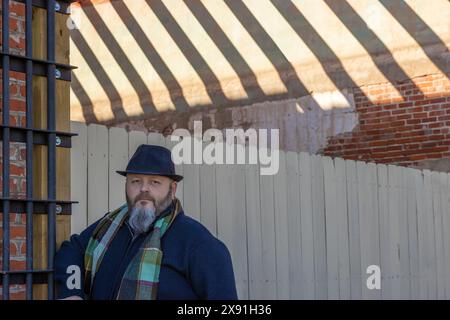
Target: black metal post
(51, 126)
(29, 145)
(5, 146)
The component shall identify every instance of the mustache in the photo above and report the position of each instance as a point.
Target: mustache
(144, 196)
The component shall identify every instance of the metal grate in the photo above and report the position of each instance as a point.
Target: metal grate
(31, 136)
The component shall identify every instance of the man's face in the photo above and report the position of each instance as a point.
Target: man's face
(147, 196)
(149, 191)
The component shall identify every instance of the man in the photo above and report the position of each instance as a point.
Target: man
(146, 249)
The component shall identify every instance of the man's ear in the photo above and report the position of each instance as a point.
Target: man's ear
(174, 188)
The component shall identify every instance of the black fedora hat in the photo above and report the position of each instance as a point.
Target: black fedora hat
(152, 159)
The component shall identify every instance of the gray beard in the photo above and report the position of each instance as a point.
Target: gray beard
(141, 218)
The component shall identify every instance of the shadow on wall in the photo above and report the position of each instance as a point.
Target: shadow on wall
(333, 68)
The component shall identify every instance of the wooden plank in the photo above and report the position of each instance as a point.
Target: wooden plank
(438, 233)
(208, 193)
(446, 225)
(97, 172)
(430, 258)
(117, 160)
(157, 139)
(356, 276)
(368, 223)
(40, 233)
(331, 224)
(268, 238)
(254, 238)
(307, 235)
(412, 233)
(178, 167)
(281, 228)
(385, 234)
(135, 139)
(394, 233)
(62, 102)
(342, 223)
(294, 226)
(191, 191)
(78, 172)
(427, 267)
(405, 272)
(232, 222)
(319, 230)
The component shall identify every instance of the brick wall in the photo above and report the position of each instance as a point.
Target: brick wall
(403, 123)
(17, 180)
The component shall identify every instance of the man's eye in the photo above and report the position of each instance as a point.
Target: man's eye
(134, 181)
(155, 182)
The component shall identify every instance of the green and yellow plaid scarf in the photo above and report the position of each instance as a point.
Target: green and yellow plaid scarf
(141, 278)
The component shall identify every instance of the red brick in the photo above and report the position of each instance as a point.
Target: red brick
(413, 121)
(443, 118)
(397, 123)
(429, 120)
(405, 104)
(404, 117)
(417, 97)
(420, 115)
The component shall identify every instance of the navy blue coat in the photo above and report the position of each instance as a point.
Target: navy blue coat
(195, 264)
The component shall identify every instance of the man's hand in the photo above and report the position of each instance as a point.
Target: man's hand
(72, 298)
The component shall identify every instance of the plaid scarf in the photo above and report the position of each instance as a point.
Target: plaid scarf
(140, 280)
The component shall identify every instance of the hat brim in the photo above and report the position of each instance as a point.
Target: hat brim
(175, 177)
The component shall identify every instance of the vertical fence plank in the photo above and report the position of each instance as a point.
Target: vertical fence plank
(385, 235)
(394, 232)
(232, 221)
(307, 234)
(331, 224)
(343, 229)
(405, 271)
(257, 285)
(97, 172)
(118, 160)
(431, 268)
(208, 194)
(354, 230)
(294, 226)
(156, 139)
(427, 265)
(368, 222)
(438, 237)
(78, 172)
(135, 139)
(191, 190)
(412, 233)
(446, 225)
(281, 229)
(178, 167)
(268, 238)
(319, 231)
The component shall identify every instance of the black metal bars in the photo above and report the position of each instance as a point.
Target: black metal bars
(5, 145)
(51, 126)
(18, 63)
(29, 146)
(31, 136)
(60, 6)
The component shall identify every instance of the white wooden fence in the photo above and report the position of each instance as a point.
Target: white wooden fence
(308, 232)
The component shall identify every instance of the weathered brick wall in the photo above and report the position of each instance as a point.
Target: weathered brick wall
(405, 123)
(17, 180)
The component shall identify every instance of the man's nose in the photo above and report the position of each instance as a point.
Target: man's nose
(145, 187)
